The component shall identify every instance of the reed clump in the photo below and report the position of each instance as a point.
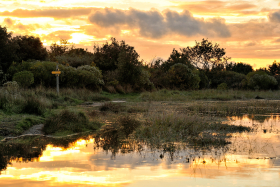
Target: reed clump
(69, 121)
(174, 127)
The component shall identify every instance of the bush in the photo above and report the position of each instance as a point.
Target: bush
(263, 82)
(130, 72)
(182, 77)
(128, 124)
(222, 86)
(24, 78)
(84, 76)
(11, 86)
(33, 106)
(232, 79)
(70, 121)
(75, 60)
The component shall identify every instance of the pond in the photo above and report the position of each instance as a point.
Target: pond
(252, 159)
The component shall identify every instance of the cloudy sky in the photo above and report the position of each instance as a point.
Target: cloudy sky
(248, 29)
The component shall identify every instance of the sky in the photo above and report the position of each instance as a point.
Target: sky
(249, 30)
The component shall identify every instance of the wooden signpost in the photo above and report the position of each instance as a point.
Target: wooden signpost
(57, 72)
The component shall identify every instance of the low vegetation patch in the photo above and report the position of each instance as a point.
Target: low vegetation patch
(112, 107)
(69, 121)
(159, 129)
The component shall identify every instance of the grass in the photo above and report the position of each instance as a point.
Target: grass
(174, 127)
(231, 108)
(67, 122)
(27, 122)
(208, 94)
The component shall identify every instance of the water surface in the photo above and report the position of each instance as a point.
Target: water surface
(253, 159)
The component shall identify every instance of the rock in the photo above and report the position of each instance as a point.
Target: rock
(258, 97)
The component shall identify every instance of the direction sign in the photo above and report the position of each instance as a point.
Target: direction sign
(56, 72)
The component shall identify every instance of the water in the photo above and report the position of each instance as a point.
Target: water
(253, 159)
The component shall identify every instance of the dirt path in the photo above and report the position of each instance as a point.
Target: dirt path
(36, 129)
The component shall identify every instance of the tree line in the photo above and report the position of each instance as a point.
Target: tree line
(116, 67)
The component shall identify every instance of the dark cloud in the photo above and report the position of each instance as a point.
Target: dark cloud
(155, 24)
(274, 17)
(55, 13)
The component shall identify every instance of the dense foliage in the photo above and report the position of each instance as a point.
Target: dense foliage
(115, 67)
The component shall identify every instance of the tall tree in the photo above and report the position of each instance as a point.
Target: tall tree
(30, 47)
(205, 54)
(274, 69)
(106, 56)
(7, 49)
(239, 68)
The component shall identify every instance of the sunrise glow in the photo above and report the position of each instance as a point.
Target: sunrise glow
(249, 30)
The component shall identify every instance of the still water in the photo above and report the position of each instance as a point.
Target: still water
(252, 159)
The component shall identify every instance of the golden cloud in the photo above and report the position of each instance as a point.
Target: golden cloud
(56, 13)
(220, 8)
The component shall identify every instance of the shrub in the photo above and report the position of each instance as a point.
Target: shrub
(75, 60)
(24, 78)
(84, 76)
(222, 86)
(11, 86)
(264, 82)
(66, 120)
(128, 124)
(33, 106)
(232, 79)
(182, 77)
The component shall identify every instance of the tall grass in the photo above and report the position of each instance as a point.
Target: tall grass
(68, 121)
(209, 94)
(233, 108)
(174, 127)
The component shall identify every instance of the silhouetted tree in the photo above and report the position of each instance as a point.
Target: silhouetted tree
(205, 54)
(175, 58)
(30, 47)
(7, 49)
(239, 68)
(274, 69)
(106, 56)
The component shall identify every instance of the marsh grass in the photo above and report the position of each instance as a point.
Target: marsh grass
(208, 94)
(174, 127)
(112, 107)
(232, 108)
(70, 122)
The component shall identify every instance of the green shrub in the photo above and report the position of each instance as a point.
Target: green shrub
(70, 121)
(11, 86)
(182, 77)
(75, 60)
(263, 82)
(84, 76)
(231, 78)
(33, 105)
(24, 78)
(222, 86)
(128, 124)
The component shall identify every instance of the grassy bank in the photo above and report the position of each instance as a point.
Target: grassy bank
(21, 109)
